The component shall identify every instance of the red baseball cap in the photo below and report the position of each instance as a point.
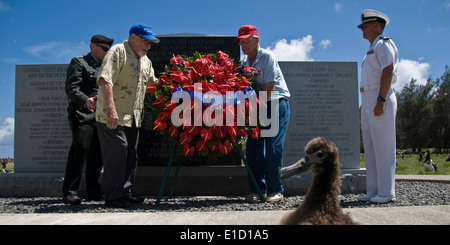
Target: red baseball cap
(246, 32)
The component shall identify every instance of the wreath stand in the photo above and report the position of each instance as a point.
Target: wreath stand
(169, 166)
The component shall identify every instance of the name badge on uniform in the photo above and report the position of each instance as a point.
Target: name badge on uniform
(371, 51)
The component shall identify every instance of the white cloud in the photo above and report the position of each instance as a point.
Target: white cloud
(408, 69)
(7, 131)
(57, 50)
(4, 6)
(325, 44)
(295, 50)
(447, 4)
(337, 7)
(10, 60)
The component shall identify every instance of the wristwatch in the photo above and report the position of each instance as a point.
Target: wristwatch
(381, 99)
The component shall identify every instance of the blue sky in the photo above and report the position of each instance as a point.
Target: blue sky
(54, 31)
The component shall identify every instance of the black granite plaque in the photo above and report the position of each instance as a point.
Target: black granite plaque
(155, 150)
(188, 43)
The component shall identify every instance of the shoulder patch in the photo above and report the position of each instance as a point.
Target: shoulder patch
(385, 38)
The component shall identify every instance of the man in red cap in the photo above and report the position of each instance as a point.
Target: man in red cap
(265, 154)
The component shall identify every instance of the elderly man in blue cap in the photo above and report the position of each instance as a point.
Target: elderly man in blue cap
(125, 73)
(378, 108)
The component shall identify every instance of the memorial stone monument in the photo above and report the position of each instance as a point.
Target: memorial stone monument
(42, 135)
(324, 102)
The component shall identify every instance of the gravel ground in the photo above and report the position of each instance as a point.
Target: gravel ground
(409, 193)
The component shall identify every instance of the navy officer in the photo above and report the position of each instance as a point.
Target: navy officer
(378, 108)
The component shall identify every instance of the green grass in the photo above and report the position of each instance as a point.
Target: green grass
(9, 166)
(411, 165)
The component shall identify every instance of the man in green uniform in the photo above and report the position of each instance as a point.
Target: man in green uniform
(81, 89)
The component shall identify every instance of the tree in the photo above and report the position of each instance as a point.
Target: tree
(440, 126)
(413, 114)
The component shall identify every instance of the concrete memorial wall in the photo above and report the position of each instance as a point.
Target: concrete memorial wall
(42, 135)
(324, 102)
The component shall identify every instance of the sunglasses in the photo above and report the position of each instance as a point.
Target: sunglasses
(103, 47)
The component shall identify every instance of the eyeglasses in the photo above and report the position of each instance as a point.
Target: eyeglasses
(103, 47)
(246, 41)
(146, 41)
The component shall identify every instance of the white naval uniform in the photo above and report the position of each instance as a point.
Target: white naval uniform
(379, 131)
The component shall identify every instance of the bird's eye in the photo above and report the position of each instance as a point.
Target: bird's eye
(320, 154)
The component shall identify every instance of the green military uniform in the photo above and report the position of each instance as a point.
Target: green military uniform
(85, 149)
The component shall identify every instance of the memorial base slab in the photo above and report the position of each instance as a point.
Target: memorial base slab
(192, 181)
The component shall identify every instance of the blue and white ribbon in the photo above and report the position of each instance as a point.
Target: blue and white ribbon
(215, 98)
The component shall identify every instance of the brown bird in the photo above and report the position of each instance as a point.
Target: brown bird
(321, 205)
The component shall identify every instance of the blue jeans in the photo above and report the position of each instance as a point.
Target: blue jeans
(265, 155)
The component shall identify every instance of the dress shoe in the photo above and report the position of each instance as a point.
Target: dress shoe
(383, 199)
(366, 198)
(118, 203)
(133, 199)
(72, 199)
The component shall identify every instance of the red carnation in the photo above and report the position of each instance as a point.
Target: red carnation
(159, 102)
(188, 150)
(232, 131)
(214, 146)
(176, 60)
(255, 132)
(192, 130)
(185, 138)
(173, 131)
(206, 133)
(159, 125)
(220, 132)
(225, 148)
(151, 88)
(242, 132)
(248, 69)
(164, 116)
(201, 146)
(164, 80)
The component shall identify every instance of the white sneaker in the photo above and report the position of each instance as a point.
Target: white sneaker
(383, 199)
(275, 197)
(366, 198)
(253, 197)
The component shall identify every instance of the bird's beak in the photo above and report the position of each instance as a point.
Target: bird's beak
(299, 167)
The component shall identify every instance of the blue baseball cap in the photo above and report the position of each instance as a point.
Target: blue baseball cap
(144, 31)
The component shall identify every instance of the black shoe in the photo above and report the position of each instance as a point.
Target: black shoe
(95, 198)
(133, 199)
(72, 199)
(118, 203)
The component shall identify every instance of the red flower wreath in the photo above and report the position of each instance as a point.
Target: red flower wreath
(214, 72)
